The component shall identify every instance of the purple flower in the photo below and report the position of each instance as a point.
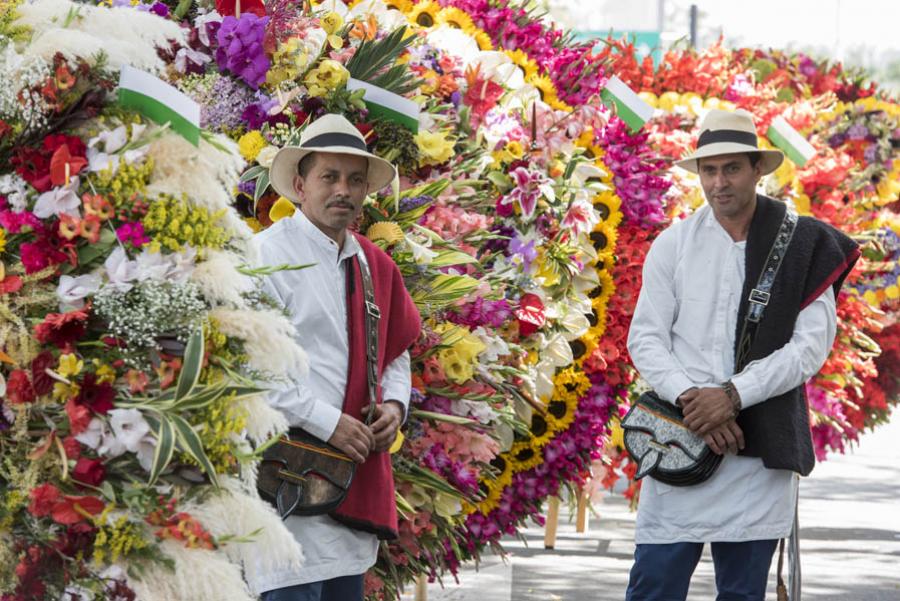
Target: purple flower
(857, 131)
(408, 204)
(241, 48)
(500, 245)
(481, 312)
(525, 250)
(133, 233)
(160, 9)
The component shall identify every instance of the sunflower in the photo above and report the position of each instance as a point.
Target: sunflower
(604, 289)
(609, 206)
(386, 231)
(603, 238)
(526, 455)
(547, 90)
(403, 6)
(484, 40)
(424, 14)
(456, 18)
(492, 488)
(524, 62)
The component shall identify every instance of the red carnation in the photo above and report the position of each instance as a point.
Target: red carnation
(226, 8)
(89, 471)
(43, 498)
(98, 397)
(62, 329)
(18, 388)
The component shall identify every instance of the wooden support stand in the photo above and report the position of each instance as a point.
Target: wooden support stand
(552, 523)
(581, 518)
(421, 588)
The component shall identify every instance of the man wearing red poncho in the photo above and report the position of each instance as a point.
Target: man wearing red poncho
(329, 174)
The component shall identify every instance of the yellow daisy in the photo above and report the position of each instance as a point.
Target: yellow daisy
(524, 62)
(456, 18)
(604, 238)
(424, 14)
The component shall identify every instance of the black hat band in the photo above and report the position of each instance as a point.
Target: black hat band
(335, 139)
(727, 135)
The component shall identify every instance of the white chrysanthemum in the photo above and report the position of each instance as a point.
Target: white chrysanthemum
(268, 340)
(263, 421)
(237, 510)
(220, 281)
(198, 575)
(126, 36)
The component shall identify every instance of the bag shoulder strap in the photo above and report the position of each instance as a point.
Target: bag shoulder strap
(373, 316)
(762, 292)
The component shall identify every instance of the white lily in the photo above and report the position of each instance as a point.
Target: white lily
(128, 427)
(72, 291)
(120, 270)
(58, 201)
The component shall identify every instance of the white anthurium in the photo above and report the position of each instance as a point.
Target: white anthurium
(72, 291)
(62, 200)
(267, 155)
(521, 98)
(543, 379)
(453, 41)
(557, 351)
(446, 505)
(417, 497)
(576, 324)
(100, 161)
(500, 69)
(128, 427)
(585, 171)
(111, 139)
(422, 254)
(120, 271)
(186, 54)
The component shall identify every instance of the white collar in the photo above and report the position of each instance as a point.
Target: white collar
(323, 241)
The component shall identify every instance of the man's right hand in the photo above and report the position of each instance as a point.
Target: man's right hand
(727, 437)
(353, 438)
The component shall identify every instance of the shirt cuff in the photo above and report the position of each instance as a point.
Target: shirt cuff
(322, 420)
(674, 386)
(748, 388)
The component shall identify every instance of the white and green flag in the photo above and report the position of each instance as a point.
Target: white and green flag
(388, 105)
(629, 106)
(790, 142)
(160, 102)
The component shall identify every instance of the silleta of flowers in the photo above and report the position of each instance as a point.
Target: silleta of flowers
(134, 357)
(131, 346)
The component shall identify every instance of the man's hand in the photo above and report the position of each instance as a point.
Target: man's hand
(709, 409)
(353, 438)
(726, 438)
(386, 422)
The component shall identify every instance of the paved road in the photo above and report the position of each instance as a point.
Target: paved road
(850, 540)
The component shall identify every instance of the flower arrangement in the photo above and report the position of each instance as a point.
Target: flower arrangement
(132, 407)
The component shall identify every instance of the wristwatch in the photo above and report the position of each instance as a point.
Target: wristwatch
(734, 397)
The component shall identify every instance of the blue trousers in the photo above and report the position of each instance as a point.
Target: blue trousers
(345, 588)
(663, 572)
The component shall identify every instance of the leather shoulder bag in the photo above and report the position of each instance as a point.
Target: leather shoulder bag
(302, 475)
(654, 432)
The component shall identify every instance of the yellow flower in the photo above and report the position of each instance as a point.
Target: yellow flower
(69, 365)
(105, 373)
(388, 231)
(288, 62)
(329, 75)
(331, 22)
(424, 14)
(524, 62)
(63, 392)
(547, 269)
(434, 147)
(547, 90)
(281, 209)
(403, 6)
(251, 143)
(456, 18)
(484, 41)
(2, 239)
(514, 149)
(463, 348)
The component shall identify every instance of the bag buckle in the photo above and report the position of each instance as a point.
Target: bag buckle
(759, 297)
(373, 310)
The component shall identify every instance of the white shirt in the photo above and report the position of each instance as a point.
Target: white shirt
(315, 299)
(682, 335)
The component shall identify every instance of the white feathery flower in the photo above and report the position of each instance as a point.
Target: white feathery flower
(268, 340)
(263, 421)
(220, 281)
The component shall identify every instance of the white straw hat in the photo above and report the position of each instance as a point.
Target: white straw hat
(329, 133)
(725, 132)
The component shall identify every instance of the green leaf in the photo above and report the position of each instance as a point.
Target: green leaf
(445, 289)
(502, 181)
(191, 366)
(253, 173)
(375, 62)
(91, 252)
(191, 444)
(262, 184)
(443, 417)
(452, 257)
(165, 448)
(270, 269)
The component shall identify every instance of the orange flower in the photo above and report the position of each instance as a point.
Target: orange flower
(69, 227)
(95, 204)
(90, 228)
(365, 30)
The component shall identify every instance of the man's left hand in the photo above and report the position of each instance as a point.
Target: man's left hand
(708, 410)
(387, 420)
